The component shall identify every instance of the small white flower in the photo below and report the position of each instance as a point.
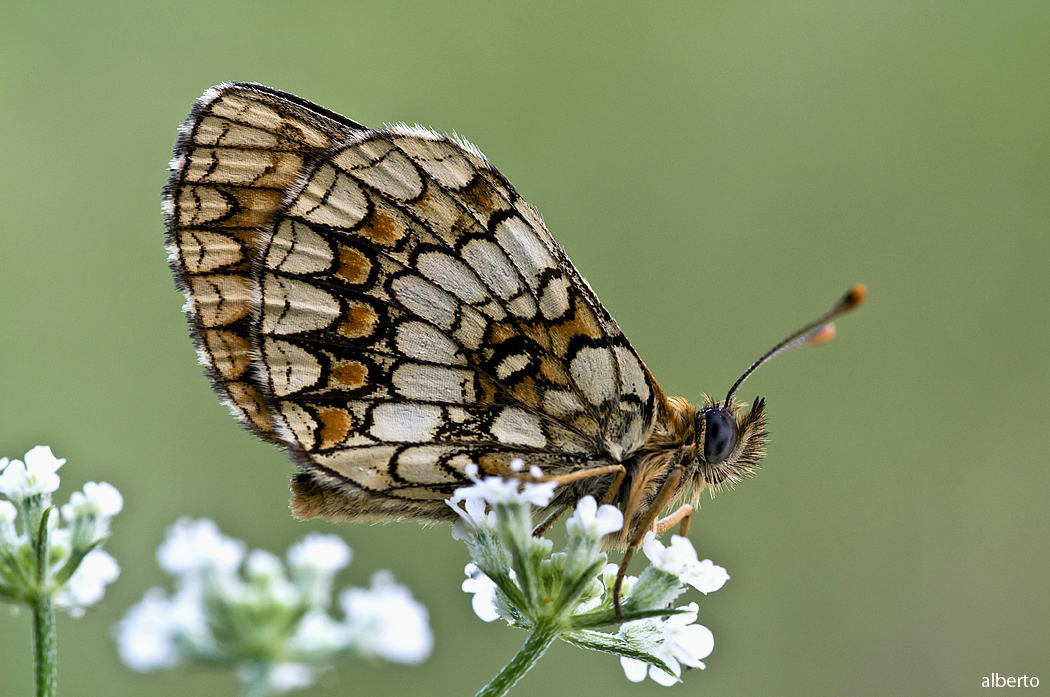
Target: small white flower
(88, 583)
(269, 581)
(91, 511)
(37, 475)
(676, 641)
(472, 517)
(145, 636)
(634, 669)
(8, 535)
(706, 576)
(320, 553)
(317, 633)
(684, 643)
(8, 513)
(495, 490)
(386, 621)
(608, 578)
(104, 497)
(314, 562)
(491, 489)
(157, 632)
(189, 619)
(194, 545)
(538, 493)
(262, 565)
(484, 590)
(590, 520)
(680, 560)
(593, 597)
(688, 642)
(99, 499)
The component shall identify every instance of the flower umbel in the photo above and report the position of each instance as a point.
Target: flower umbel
(43, 565)
(38, 558)
(271, 622)
(569, 595)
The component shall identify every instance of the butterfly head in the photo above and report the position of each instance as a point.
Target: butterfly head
(728, 443)
(711, 445)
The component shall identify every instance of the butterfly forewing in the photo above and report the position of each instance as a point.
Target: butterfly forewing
(404, 313)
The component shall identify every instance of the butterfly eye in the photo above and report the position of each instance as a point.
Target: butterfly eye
(719, 435)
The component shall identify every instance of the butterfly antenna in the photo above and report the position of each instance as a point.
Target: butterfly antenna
(819, 331)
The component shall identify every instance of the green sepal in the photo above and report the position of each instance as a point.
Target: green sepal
(605, 617)
(614, 644)
(76, 556)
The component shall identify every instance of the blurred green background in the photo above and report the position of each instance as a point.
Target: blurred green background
(720, 172)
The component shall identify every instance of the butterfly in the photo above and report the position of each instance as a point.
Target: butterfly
(384, 306)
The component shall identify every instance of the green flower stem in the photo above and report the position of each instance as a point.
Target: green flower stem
(538, 643)
(258, 684)
(45, 645)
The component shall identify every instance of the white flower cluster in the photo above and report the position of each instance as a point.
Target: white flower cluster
(494, 491)
(654, 639)
(675, 639)
(77, 569)
(275, 618)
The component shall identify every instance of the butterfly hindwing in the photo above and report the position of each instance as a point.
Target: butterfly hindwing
(241, 148)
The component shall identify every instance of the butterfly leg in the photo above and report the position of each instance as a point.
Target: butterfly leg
(620, 471)
(682, 515)
(614, 488)
(563, 479)
(548, 522)
(664, 495)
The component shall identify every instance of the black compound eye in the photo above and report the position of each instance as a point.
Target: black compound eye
(719, 435)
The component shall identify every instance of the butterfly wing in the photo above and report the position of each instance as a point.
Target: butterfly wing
(412, 314)
(240, 149)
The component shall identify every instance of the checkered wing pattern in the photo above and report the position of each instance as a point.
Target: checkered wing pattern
(385, 305)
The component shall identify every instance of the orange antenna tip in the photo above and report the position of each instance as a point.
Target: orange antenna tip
(820, 335)
(856, 295)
